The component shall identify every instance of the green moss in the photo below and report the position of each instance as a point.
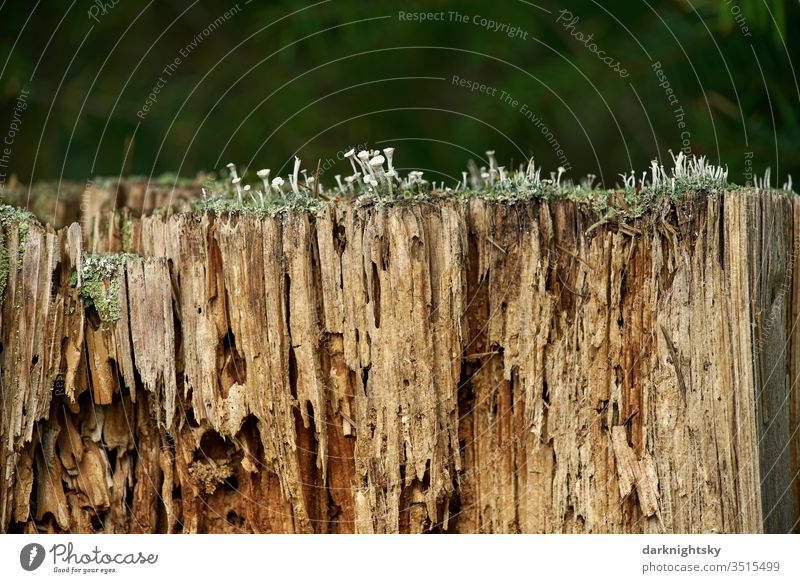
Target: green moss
(23, 236)
(100, 283)
(9, 216)
(3, 267)
(127, 235)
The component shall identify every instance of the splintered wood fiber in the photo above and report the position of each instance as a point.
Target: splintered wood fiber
(449, 367)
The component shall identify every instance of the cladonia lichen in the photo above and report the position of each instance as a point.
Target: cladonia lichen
(100, 275)
(375, 181)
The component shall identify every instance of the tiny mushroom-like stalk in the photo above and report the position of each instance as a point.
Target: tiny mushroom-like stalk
(293, 176)
(492, 160)
(363, 159)
(376, 163)
(277, 184)
(232, 168)
(464, 179)
(389, 176)
(247, 189)
(389, 154)
(263, 174)
(237, 181)
(561, 171)
(677, 163)
(338, 178)
(350, 155)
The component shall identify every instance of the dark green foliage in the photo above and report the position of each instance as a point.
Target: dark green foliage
(340, 73)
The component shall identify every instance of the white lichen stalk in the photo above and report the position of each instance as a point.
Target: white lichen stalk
(376, 180)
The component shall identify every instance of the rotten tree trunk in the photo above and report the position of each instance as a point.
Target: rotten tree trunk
(456, 367)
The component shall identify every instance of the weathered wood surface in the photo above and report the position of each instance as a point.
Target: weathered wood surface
(446, 367)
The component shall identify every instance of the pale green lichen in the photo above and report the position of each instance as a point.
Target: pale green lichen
(271, 205)
(100, 276)
(23, 236)
(127, 235)
(375, 182)
(10, 216)
(3, 269)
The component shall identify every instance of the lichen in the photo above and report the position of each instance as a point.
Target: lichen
(100, 283)
(9, 216)
(3, 267)
(271, 207)
(22, 237)
(127, 235)
(374, 185)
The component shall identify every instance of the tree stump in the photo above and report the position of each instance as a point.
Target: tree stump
(444, 367)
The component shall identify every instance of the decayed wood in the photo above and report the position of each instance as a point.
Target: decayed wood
(774, 250)
(457, 367)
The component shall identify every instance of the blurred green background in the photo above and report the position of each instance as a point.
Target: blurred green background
(269, 79)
